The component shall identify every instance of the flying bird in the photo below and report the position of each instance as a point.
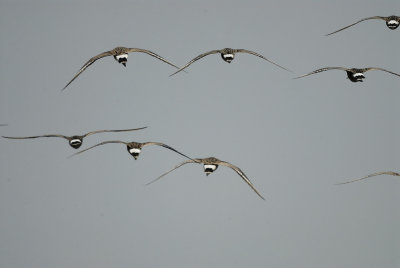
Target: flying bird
(372, 175)
(210, 164)
(227, 54)
(134, 148)
(120, 54)
(392, 22)
(354, 74)
(76, 140)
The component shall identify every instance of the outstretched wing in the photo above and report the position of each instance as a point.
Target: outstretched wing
(101, 143)
(323, 70)
(114, 130)
(165, 146)
(372, 175)
(370, 18)
(40, 136)
(197, 58)
(151, 54)
(380, 69)
(240, 50)
(87, 64)
(241, 174)
(181, 164)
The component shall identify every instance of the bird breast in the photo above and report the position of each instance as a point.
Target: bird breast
(121, 58)
(75, 143)
(228, 57)
(392, 24)
(209, 168)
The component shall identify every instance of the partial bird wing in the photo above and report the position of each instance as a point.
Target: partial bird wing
(323, 70)
(88, 63)
(114, 130)
(380, 69)
(178, 166)
(372, 175)
(240, 50)
(241, 174)
(165, 146)
(197, 58)
(151, 54)
(40, 136)
(101, 143)
(370, 18)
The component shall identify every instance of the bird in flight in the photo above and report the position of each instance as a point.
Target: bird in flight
(210, 164)
(392, 22)
(120, 54)
(134, 148)
(76, 140)
(354, 74)
(372, 175)
(227, 54)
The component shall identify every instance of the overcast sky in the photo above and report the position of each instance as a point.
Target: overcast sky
(294, 138)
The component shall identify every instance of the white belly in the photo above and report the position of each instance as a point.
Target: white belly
(134, 151)
(212, 167)
(122, 56)
(393, 22)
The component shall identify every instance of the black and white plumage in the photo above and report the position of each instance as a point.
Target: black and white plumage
(227, 54)
(120, 54)
(211, 164)
(134, 148)
(372, 175)
(392, 22)
(354, 74)
(76, 140)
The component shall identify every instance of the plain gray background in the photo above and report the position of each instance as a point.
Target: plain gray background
(294, 138)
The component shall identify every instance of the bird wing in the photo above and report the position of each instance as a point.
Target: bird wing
(240, 50)
(114, 130)
(165, 146)
(372, 175)
(380, 69)
(177, 166)
(40, 136)
(101, 143)
(323, 70)
(88, 63)
(241, 174)
(197, 58)
(151, 54)
(370, 18)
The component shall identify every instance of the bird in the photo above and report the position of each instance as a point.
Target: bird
(134, 148)
(392, 22)
(354, 74)
(227, 54)
(76, 140)
(372, 175)
(210, 164)
(120, 54)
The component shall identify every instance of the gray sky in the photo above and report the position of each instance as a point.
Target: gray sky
(294, 138)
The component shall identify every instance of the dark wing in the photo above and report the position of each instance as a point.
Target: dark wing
(181, 164)
(197, 58)
(380, 69)
(241, 174)
(115, 130)
(372, 175)
(165, 146)
(88, 63)
(240, 50)
(151, 54)
(323, 70)
(101, 143)
(370, 18)
(40, 136)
